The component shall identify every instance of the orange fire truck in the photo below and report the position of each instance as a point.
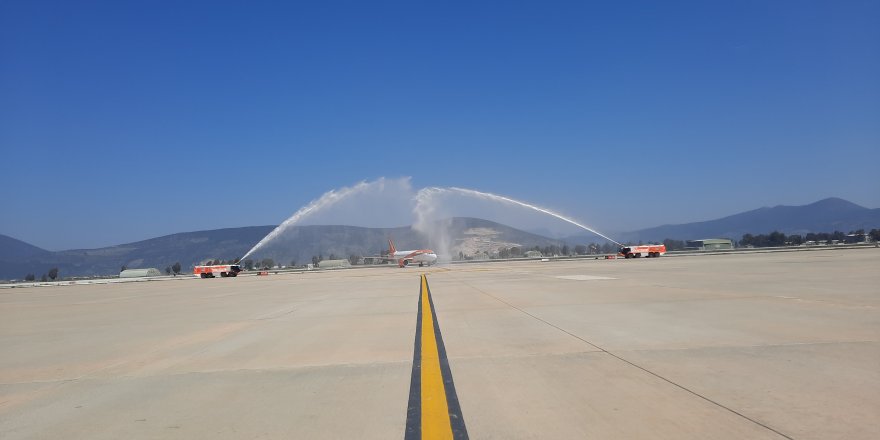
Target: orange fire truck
(225, 270)
(649, 250)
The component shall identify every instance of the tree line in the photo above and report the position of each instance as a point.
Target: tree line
(52, 274)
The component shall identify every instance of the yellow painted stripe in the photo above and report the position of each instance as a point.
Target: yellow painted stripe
(435, 411)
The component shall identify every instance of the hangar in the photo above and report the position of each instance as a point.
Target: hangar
(710, 244)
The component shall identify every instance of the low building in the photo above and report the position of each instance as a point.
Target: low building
(709, 244)
(533, 254)
(140, 273)
(334, 264)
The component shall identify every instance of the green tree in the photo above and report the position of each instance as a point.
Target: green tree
(566, 250)
(267, 263)
(176, 268)
(776, 238)
(292, 263)
(315, 260)
(53, 273)
(29, 277)
(248, 264)
(44, 278)
(122, 269)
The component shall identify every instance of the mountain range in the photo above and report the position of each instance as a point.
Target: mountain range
(827, 215)
(451, 236)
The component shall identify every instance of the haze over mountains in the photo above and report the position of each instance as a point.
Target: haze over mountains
(467, 235)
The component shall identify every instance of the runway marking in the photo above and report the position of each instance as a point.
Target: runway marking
(433, 411)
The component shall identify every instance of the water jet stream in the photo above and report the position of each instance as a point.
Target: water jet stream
(427, 192)
(424, 210)
(327, 199)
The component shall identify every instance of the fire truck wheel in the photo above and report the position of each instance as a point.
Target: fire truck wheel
(204, 275)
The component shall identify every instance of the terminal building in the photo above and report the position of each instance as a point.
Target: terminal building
(709, 244)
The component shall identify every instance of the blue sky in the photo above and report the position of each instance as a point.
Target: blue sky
(122, 121)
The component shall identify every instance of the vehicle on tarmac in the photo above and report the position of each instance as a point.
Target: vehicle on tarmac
(648, 250)
(211, 271)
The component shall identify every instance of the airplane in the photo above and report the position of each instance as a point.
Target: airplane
(404, 258)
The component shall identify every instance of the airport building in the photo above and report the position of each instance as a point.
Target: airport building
(140, 273)
(334, 264)
(709, 244)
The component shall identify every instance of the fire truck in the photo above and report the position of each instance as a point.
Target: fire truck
(225, 270)
(648, 250)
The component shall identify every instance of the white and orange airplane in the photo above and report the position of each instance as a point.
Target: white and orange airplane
(404, 258)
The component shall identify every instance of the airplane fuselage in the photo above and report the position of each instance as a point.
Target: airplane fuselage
(420, 256)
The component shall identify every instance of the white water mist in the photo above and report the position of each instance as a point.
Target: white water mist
(328, 199)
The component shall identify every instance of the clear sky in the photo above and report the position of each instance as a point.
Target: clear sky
(122, 121)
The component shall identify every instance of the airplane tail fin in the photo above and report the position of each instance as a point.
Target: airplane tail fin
(391, 247)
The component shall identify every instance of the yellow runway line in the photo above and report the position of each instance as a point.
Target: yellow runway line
(433, 411)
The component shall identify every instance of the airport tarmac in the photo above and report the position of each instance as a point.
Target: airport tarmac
(757, 346)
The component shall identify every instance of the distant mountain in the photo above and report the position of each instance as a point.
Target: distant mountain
(298, 244)
(828, 215)
(11, 249)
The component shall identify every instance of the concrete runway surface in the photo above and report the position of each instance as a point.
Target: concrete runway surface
(756, 346)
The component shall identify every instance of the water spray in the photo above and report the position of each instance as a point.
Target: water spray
(424, 209)
(328, 198)
(428, 192)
